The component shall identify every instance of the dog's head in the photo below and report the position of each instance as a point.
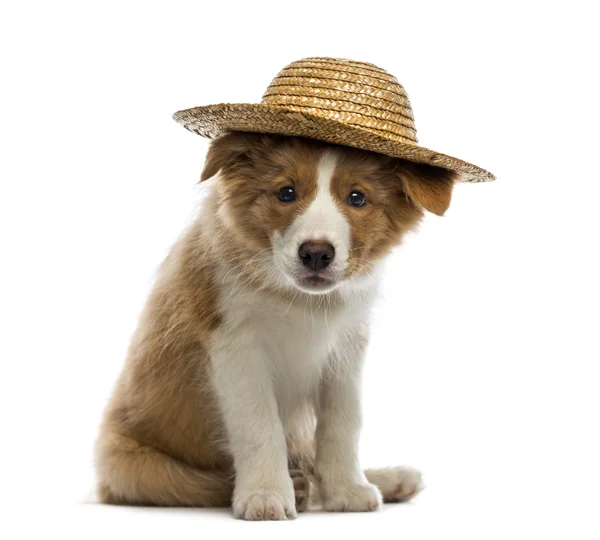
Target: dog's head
(313, 215)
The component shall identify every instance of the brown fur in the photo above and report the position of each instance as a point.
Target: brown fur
(162, 441)
(255, 167)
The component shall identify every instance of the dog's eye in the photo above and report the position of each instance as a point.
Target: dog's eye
(287, 194)
(356, 198)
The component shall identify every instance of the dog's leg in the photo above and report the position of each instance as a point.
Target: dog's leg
(132, 473)
(343, 484)
(243, 381)
(397, 484)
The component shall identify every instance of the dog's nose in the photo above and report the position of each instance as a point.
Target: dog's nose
(316, 254)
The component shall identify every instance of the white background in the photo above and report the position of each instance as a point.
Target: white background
(483, 368)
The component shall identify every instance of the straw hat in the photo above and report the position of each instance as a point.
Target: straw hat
(338, 101)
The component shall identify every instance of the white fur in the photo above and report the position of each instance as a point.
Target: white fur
(322, 220)
(396, 483)
(275, 363)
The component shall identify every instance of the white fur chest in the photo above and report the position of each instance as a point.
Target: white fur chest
(295, 340)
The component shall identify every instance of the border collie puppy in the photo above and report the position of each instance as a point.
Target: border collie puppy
(242, 381)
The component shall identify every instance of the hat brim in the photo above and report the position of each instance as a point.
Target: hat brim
(212, 120)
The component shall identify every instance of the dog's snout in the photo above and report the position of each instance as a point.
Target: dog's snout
(316, 254)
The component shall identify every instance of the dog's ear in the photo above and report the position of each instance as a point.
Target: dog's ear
(427, 186)
(228, 150)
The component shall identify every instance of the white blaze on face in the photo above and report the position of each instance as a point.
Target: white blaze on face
(322, 220)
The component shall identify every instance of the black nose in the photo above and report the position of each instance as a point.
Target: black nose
(316, 254)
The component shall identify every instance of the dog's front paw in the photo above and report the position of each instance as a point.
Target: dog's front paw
(352, 498)
(264, 505)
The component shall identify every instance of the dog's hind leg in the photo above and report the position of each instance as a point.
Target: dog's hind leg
(397, 484)
(132, 473)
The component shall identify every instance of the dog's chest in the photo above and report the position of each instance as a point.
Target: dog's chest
(298, 339)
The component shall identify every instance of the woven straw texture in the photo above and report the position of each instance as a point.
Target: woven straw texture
(333, 100)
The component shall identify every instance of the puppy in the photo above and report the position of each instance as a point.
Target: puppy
(242, 381)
